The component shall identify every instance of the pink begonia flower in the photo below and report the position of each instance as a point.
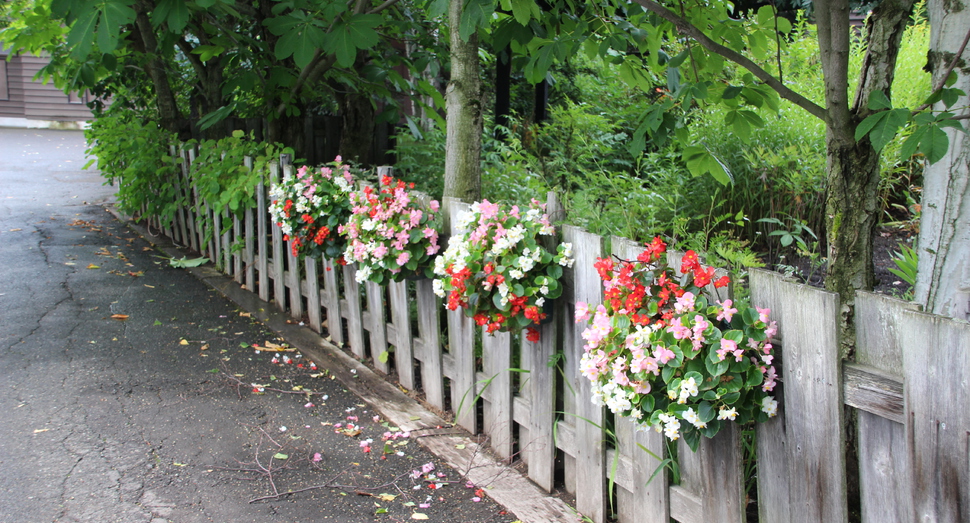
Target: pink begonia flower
(429, 232)
(726, 347)
(476, 499)
(317, 457)
(582, 311)
(301, 172)
(325, 171)
(685, 302)
(427, 468)
(488, 210)
(642, 387)
(348, 177)
(434, 205)
(769, 383)
(309, 405)
(380, 251)
(663, 354)
(678, 329)
(515, 211)
(403, 258)
(754, 344)
(726, 312)
(415, 217)
(771, 330)
(594, 365)
(763, 314)
(424, 505)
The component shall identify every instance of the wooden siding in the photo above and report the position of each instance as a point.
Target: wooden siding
(32, 99)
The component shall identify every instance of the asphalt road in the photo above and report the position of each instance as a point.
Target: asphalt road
(126, 385)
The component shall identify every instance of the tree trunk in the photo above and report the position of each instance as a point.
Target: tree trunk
(943, 279)
(463, 144)
(852, 206)
(169, 115)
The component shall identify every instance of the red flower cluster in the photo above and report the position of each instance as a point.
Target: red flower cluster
(644, 295)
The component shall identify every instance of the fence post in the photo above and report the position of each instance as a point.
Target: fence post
(461, 342)
(401, 318)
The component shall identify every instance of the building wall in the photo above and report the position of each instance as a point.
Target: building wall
(34, 100)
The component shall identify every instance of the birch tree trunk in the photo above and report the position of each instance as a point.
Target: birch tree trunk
(943, 279)
(463, 143)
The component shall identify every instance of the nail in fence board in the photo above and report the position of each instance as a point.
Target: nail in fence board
(936, 368)
(804, 481)
(884, 472)
(640, 500)
(590, 455)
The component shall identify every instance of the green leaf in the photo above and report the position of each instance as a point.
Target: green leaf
(383, 357)
(878, 100)
(525, 10)
(475, 14)
(346, 39)
(302, 44)
(81, 36)
(700, 161)
(280, 455)
(934, 144)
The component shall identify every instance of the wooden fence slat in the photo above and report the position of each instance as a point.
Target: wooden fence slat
(335, 323)
(429, 329)
(215, 244)
(884, 469)
(714, 474)
(814, 460)
(497, 411)
(313, 292)
(936, 367)
(237, 258)
(292, 279)
(640, 501)
(227, 266)
(461, 344)
(540, 446)
(189, 201)
(355, 323)
(378, 326)
(262, 249)
(591, 499)
(403, 341)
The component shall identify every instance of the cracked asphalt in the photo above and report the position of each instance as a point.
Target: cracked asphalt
(126, 385)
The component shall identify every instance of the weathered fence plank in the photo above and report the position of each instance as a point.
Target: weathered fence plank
(884, 471)
(590, 456)
(262, 249)
(461, 344)
(539, 443)
(335, 327)
(936, 368)
(497, 410)
(355, 322)
(641, 499)
(377, 326)
(808, 483)
(429, 345)
(313, 293)
(403, 341)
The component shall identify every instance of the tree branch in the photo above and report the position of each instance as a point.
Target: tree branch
(688, 29)
(382, 7)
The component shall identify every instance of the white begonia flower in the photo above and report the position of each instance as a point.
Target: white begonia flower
(727, 413)
(691, 417)
(547, 230)
(516, 274)
(368, 224)
(439, 288)
(525, 263)
(342, 183)
(544, 290)
(439, 265)
(465, 219)
(540, 302)
(537, 254)
(515, 234)
(769, 406)
(618, 403)
(287, 228)
(533, 215)
(636, 414)
(503, 289)
(362, 274)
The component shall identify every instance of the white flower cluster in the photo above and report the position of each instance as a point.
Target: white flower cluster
(616, 398)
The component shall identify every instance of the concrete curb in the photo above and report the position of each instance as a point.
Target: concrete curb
(503, 484)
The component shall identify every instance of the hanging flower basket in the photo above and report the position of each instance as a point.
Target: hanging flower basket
(310, 206)
(498, 270)
(390, 234)
(659, 352)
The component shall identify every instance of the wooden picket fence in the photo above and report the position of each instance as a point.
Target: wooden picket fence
(908, 386)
